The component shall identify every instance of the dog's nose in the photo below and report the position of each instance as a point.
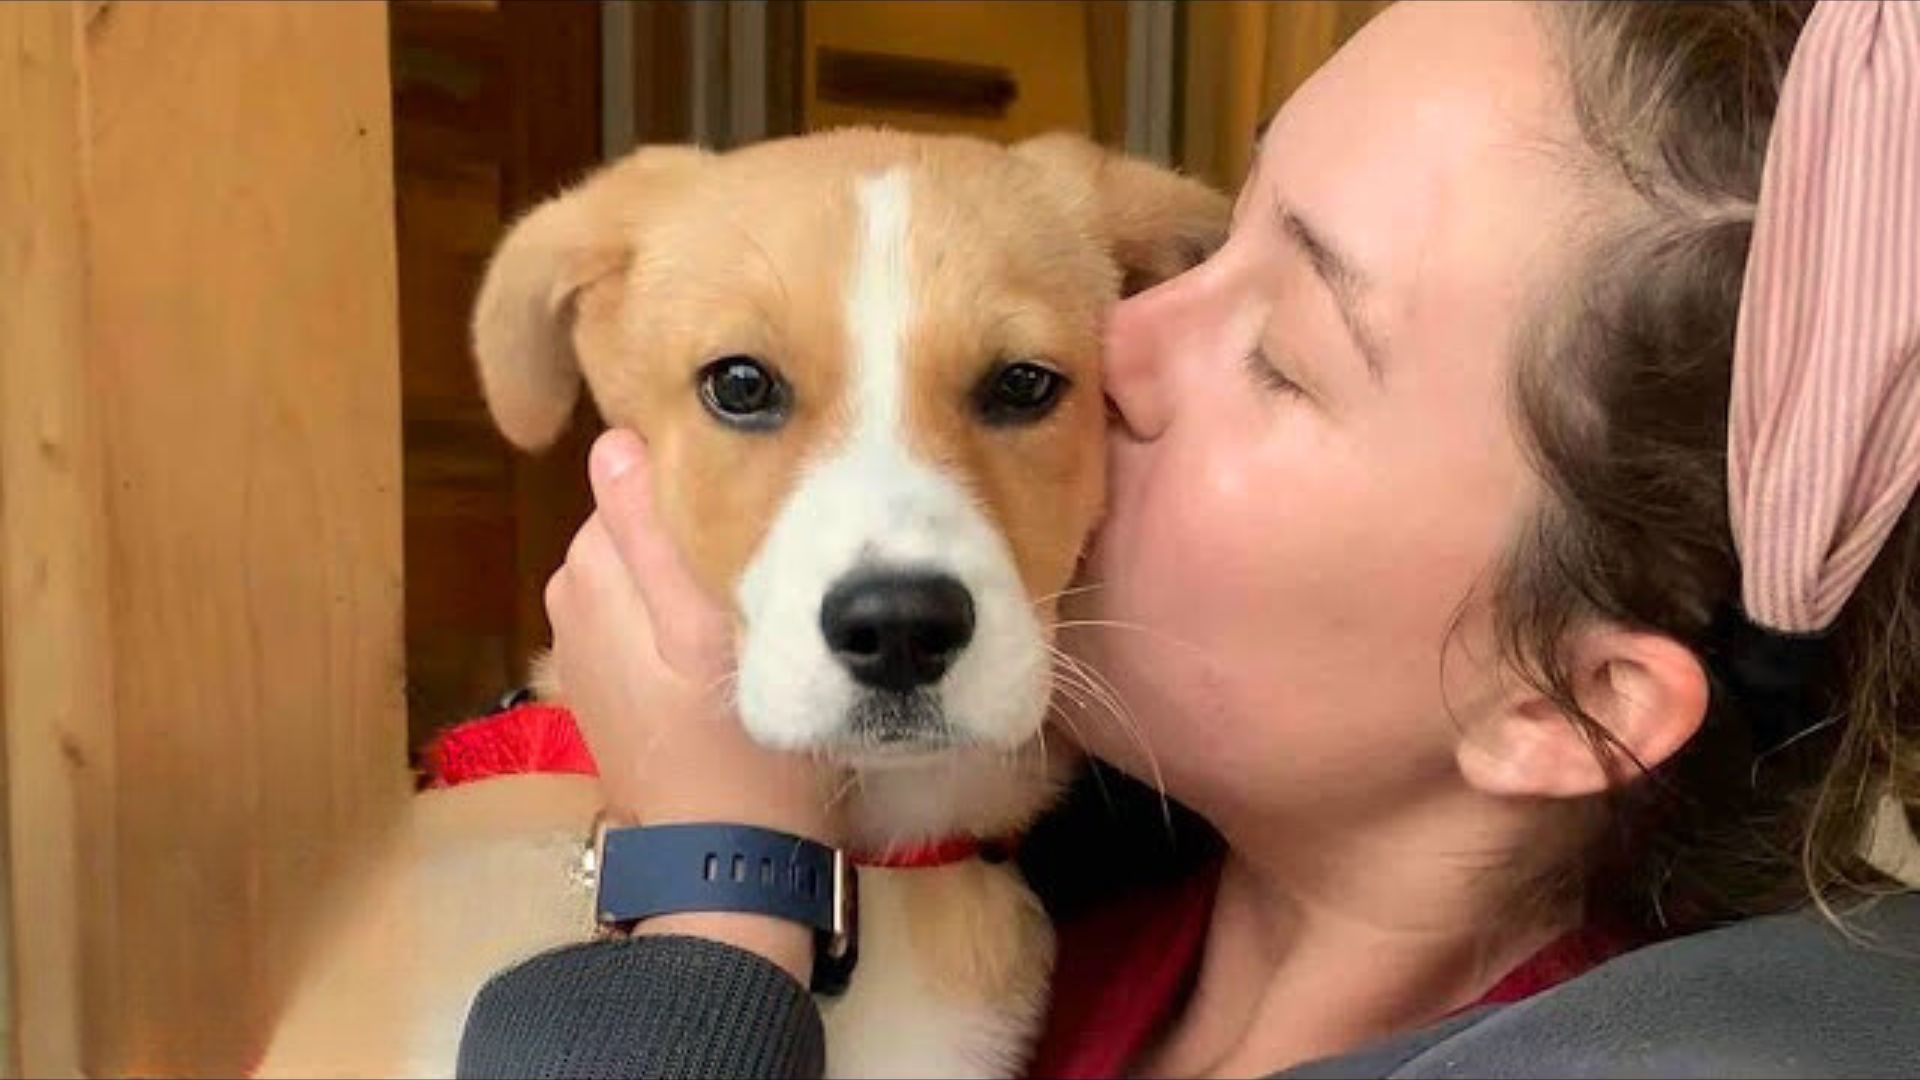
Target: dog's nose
(897, 631)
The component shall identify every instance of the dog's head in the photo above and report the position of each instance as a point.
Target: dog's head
(867, 364)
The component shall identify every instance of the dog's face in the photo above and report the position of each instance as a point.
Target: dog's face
(868, 368)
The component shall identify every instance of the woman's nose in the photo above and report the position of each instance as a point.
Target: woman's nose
(1138, 338)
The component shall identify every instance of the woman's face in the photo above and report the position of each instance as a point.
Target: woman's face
(1315, 461)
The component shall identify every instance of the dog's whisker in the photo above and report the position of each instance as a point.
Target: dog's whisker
(1138, 628)
(1093, 763)
(841, 792)
(1070, 676)
(1064, 593)
(726, 687)
(1089, 680)
(1064, 681)
(1109, 696)
(1064, 684)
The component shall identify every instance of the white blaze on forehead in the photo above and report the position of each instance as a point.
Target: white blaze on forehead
(880, 306)
(869, 502)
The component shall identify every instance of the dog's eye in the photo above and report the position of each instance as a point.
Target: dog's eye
(1020, 393)
(740, 392)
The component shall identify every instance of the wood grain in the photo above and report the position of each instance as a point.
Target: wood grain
(55, 661)
(217, 351)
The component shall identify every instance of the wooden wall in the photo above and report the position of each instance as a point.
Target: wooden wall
(200, 542)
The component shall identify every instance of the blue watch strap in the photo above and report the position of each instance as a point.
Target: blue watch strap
(666, 869)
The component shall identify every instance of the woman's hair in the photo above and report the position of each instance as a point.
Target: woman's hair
(1623, 389)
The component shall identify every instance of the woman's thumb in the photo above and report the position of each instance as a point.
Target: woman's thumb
(685, 619)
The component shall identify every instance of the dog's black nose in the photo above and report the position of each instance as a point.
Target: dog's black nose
(897, 631)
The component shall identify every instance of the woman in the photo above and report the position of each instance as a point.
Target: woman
(1421, 558)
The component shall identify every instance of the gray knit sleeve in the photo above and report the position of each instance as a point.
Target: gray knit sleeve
(656, 1006)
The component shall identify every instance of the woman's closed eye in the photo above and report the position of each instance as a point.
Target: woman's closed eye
(1268, 376)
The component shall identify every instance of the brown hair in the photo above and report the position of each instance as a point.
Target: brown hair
(1623, 394)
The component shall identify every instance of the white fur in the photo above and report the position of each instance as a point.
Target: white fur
(870, 503)
(976, 792)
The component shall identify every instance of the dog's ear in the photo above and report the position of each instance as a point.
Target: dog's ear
(1156, 222)
(523, 319)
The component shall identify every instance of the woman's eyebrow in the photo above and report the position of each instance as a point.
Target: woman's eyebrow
(1347, 284)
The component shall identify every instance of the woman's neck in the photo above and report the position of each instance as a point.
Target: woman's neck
(1315, 948)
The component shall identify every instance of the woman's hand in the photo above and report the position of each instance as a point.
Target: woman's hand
(642, 657)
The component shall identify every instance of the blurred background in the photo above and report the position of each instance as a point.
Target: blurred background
(258, 539)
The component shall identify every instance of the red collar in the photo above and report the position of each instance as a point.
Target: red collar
(944, 852)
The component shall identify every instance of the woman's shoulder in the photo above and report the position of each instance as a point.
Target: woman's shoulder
(1787, 992)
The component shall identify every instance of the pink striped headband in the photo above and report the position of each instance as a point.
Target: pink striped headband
(1824, 436)
(1823, 440)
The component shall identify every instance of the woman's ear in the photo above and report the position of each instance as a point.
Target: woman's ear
(1155, 222)
(523, 318)
(1647, 690)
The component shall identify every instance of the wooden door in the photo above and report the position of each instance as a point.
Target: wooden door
(496, 106)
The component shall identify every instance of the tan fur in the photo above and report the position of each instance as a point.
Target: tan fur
(524, 310)
(1156, 223)
(633, 281)
(972, 924)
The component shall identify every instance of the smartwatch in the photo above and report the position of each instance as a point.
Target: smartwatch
(654, 870)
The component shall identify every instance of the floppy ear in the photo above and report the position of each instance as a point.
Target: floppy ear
(1156, 222)
(523, 318)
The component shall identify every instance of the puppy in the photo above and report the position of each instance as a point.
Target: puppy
(867, 365)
